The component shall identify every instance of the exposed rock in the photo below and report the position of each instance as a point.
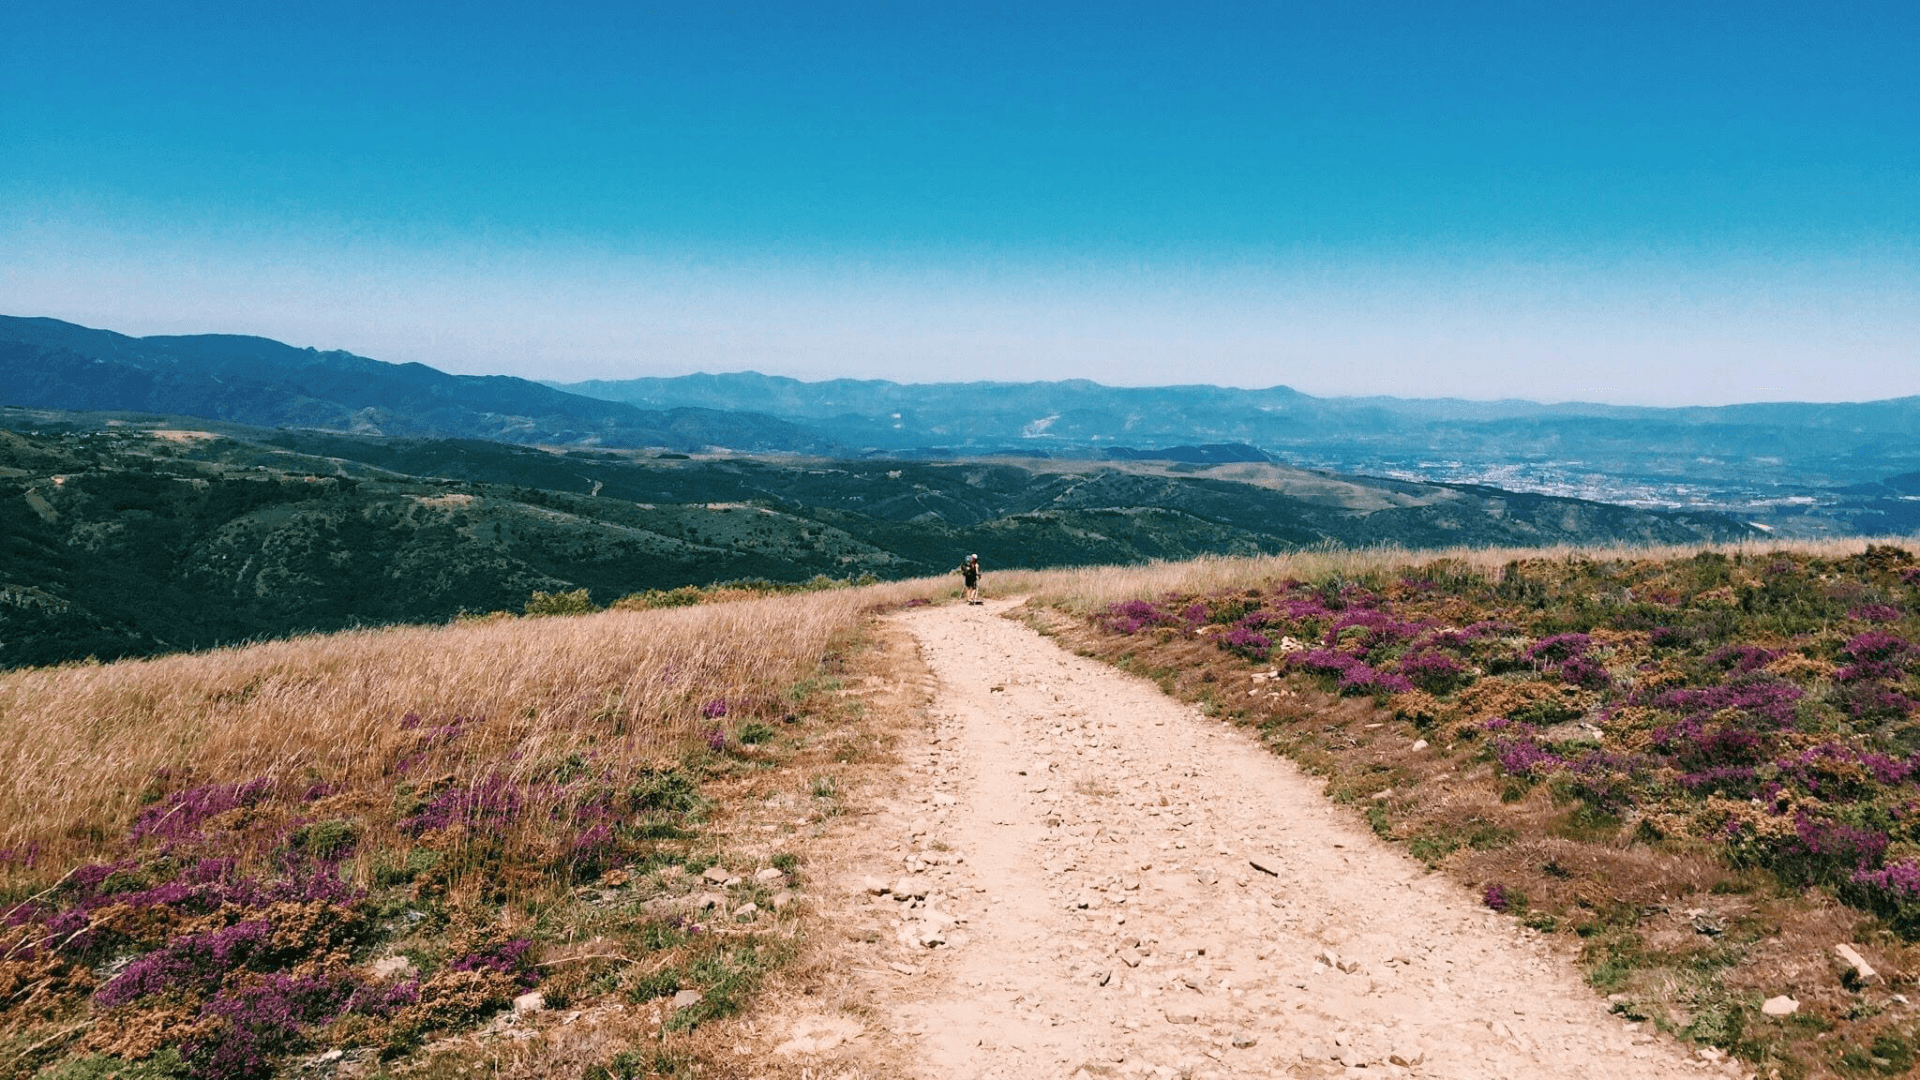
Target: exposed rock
(686, 999)
(1182, 1018)
(1419, 744)
(746, 911)
(394, 967)
(874, 886)
(716, 874)
(532, 1001)
(1244, 1039)
(767, 875)
(1780, 1006)
(1855, 970)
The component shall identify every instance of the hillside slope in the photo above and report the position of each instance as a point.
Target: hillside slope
(131, 535)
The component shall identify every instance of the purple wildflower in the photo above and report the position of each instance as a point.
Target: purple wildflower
(1560, 647)
(1741, 658)
(508, 958)
(1901, 880)
(1580, 671)
(197, 961)
(493, 802)
(1430, 670)
(179, 815)
(1522, 756)
(1247, 642)
(264, 1018)
(1495, 897)
(1877, 645)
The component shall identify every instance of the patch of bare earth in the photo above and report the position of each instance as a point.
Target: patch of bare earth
(1072, 874)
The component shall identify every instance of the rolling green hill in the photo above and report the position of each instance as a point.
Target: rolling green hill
(128, 535)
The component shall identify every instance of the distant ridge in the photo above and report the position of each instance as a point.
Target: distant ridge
(1752, 459)
(49, 364)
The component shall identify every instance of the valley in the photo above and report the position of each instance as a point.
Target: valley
(135, 534)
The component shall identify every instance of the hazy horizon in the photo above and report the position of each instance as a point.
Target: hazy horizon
(1645, 206)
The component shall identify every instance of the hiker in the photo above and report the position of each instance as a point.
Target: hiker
(970, 573)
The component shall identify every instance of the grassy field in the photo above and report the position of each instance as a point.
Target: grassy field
(1701, 766)
(213, 863)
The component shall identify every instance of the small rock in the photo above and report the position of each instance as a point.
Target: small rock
(746, 912)
(393, 967)
(532, 1001)
(1780, 1006)
(1102, 977)
(1383, 795)
(716, 874)
(767, 875)
(1182, 1018)
(1405, 1057)
(914, 888)
(685, 999)
(782, 900)
(1419, 744)
(1315, 1050)
(1857, 970)
(330, 1057)
(876, 887)
(1242, 1040)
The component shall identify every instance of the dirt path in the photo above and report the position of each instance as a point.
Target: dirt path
(1113, 885)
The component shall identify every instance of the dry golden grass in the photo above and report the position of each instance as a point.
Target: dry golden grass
(1082, 590)
(81, 745)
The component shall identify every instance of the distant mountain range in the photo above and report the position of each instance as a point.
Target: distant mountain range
(48, 364)
(1086, 416)
(1791, 467)
(1775, 463)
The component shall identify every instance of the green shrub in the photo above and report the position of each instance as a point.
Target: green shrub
(577, 602)
(668, 790)
(325, 839)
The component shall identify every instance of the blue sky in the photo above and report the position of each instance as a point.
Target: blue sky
(1663, 204)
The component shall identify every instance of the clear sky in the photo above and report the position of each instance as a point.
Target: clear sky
(1661, 203)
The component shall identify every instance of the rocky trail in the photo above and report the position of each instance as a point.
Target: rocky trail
(1081, 876)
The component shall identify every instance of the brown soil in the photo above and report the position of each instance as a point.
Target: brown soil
(1113, 885)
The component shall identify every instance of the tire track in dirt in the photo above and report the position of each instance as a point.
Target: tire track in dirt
(1077, 854)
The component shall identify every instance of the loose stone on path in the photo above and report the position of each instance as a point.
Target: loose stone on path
(1107, 883)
